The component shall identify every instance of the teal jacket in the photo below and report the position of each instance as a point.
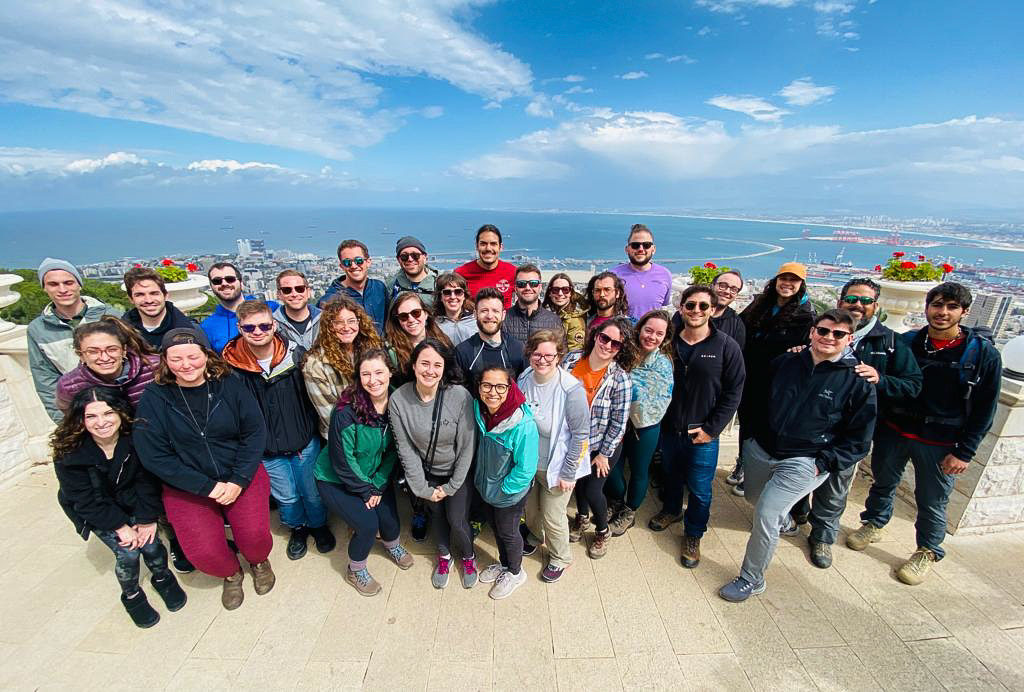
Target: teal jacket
(360, 457)
(506, 457)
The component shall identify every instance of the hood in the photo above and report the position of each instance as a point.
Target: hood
(236, 353)
(846, 361)
(512, 403)
(92, 307)
(569, 311)
(314, 313)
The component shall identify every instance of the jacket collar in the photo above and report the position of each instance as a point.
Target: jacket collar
(237, 353)
(90, 454)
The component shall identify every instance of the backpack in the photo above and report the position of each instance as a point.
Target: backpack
(969, 364)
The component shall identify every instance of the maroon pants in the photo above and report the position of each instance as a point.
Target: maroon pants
(199, 525)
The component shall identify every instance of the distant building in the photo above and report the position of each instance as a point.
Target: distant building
(989, 310)
(251, 246)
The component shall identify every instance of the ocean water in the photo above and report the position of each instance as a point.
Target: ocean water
(756, 248)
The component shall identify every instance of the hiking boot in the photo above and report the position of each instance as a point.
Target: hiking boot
(736, 477)
(790, 528)
(614, 507)
(362, 582)
(491, 573)
(440, 577)
(324, 539)
(528, 548)
(821, 554)
(419, 526)
(801, 518)
(170, 593)
(506, 584)
(179, 562)
(738, 490)
(691, 552)
(233, 595)
(263, 578)
(623, 521)
(470, 574)
(914, 570)
(551, 574)
(867, 534)
(139, 610)
(599, 548)
(739, 590)
(579, 525)
(297, 543)
(662, 520)
(401, 556)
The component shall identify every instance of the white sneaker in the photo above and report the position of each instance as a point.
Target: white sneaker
(506, 584)
(491, 573)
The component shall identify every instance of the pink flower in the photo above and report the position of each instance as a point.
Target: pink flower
(136, 265)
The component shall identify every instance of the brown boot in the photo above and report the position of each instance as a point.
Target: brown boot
(691, 552)
(263, 578)
(233, 595)
(599, 547)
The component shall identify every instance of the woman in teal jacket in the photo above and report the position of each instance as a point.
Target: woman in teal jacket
(506, 461)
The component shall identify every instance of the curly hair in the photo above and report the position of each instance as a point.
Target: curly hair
(621, 306)
(758, 315)
(70, 433)
(328, 347)
(399, 339)
(576, 299)
(356, 396)
(114, 327)
(666, 344)
(629, 354)
(216, 367)
(447, 280)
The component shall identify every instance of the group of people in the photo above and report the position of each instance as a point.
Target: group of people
(487, 396)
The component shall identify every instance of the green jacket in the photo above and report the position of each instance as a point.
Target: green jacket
(506, 457)
(360, 457)
(399, 283)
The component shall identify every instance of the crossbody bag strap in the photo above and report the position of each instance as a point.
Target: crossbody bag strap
(435, 426)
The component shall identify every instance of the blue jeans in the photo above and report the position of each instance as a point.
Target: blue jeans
(688, 465)
(293, 486)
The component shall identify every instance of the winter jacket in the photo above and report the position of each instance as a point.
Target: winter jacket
(289, 331)
(136, 373)
(899, 374)
(520, 325)
(568, 452)
(101, 494)
(228, 447)
(281, 394)
(173, 319)
(652, 390)
(458, 331)
(399, 283)
(707, 391)
(222, 325)
(373, 299)
(324, 386)
(361, 456)
(51, 351)
(730, 323)
(574, 322)
(506, 457)
(609, 411)
(825, 411)
(474, 354)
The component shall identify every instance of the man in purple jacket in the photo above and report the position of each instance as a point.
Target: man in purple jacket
(648, 285)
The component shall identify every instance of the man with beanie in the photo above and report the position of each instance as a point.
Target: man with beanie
(414, 275)
(51, 351)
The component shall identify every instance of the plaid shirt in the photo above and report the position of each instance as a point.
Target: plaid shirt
(324, 385)
(609, 412)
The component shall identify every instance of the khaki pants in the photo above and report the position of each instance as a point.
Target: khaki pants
(547, 520)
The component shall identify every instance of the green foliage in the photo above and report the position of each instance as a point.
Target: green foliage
(704, 274)
(204, 310)
(821, 306)
(900, 269)
(172, 275)
(34, 298)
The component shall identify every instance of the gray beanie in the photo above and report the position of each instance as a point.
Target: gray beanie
(407, 242)
(49, 264)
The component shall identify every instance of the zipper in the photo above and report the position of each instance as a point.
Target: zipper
(803, 399)
(206, 442)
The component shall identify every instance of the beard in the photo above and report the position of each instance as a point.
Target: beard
(488, 329)
(640, 263)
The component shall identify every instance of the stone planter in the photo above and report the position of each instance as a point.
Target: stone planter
(901, 298)
(7, 296)
(187, 295)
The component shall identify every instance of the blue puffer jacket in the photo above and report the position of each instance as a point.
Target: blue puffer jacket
(222, 325)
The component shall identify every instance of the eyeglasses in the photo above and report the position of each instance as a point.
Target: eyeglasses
(608, 341)
(218, 280)
(637, 246)
(543, 357)
(262, 326)
(452, 292)
(287, 290)
(488, 387)
(837, 333)
(523, 283)
(560, 290)
(351, 323)
(693, 305)
(410, 257)
(863, 300)
(347, 262)
(412, 314)
(109, 352)
(726, 288)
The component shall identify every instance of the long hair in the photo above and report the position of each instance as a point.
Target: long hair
(629, 354)
(70, 433)
(397, 337)
(216, 368)
(452, 372)
(577, 300)
(357, 396)
(757, 316)
(328, 347)
(111, 326)
(666, 345)
(621, 306)
(452, 280)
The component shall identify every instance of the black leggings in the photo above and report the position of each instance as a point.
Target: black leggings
(590, 497)
(505, 522)
(450, 518)
(365, 522)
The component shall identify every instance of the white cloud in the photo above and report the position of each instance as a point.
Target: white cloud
(757, 108)
(497, 167)
(578, 90)
(636, 74)
(736, 6)
(574, 78)
(654, 56)
(118, 158)
(540, 107)
(492, 105)
(686, 59)
(229, 165)
(431, 112)
(704, 31)
(804, 92)
(834, 6)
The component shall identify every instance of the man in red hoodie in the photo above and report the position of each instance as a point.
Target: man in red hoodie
(488, 269)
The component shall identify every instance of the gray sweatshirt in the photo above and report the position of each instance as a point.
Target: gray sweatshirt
(456, 439)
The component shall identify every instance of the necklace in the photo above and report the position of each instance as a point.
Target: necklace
(209, 396)
(950, 342)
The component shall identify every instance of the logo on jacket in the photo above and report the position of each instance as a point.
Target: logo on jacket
(826, 394)
(503, 286)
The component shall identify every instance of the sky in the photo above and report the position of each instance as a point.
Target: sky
(900, 107)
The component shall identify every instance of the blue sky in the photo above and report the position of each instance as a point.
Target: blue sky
(775, 106)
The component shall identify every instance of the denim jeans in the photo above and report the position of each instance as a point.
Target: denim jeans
(638, 447)
(688, 465)
(126, 560)
(293, 486)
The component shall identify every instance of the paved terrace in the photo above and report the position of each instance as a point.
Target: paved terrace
(633, 620)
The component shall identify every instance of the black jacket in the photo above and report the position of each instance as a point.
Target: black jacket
(519, 325)
(103, 494)
(173, 319)
(708, 390)
(826, 411)
(730, 323)
(899, 375)
(171, 446)
(473, 355)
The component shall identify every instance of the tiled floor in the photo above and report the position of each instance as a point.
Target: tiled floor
(633, 620)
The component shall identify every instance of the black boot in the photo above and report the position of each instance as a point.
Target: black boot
(179, 562)
(297, 543)
(323, 538)
(171, 593)
(141, 613)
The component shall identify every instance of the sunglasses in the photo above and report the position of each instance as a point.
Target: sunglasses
(488, 387)
(532, 283)
(836, 333)
(358, 261)
(637, 246)
(287, 290)
(412, 314)
(262, 326)
(410, 257)
(693, 305)
(218, 280)
(560, 290)
(863, 300)
(608, 341)
(452, 292)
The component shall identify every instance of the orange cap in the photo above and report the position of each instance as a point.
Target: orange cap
(793, 268)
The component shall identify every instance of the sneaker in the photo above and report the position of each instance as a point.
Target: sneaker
(790, 528)
(491, 573)
(914, 570)
(263, 578)
(528, 548)
(599, 548)
(736, 477)
(179, 562)
(739, 590)
(139, 610)
(470, 575)
(623, 521)
(551, 574)
(691, 552)
(506, 584)
(737, 489)
(323, 538)
(440, 577)
(801, 519)
(362, 582)
(821, 554)
(232, 595)
(867, 534)
(578, 526)
(419, 527)
(475, 528)
(297, 543)
(401, 556)
(170, 592)
(663, 520)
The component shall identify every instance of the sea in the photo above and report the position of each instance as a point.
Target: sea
(576, 239)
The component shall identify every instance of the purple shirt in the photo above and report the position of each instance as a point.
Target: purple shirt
(647, 290)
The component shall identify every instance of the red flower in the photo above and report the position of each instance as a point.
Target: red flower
(908, 265)
(192, 267)
(947, 268)
(167, 262)
(710, 265)
(921, 258)
(136, 265)
(878, 267)
(898, 254)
